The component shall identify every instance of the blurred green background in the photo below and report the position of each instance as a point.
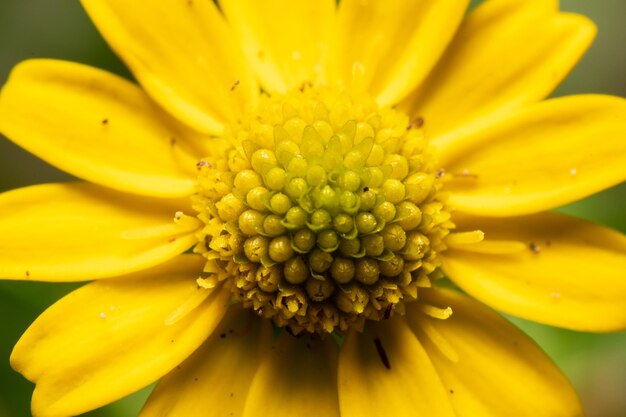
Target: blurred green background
(596, 363)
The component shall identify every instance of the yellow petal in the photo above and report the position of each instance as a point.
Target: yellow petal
(385, 371)
(538, 158)
(297, 377)
(286, 41)
(571, 274)
(96, 126)
(395, 42)
(183, 54)
(214, 381)
(507, 53)
(108, 338)
(498, 371)
(494, 247)
(75, 232)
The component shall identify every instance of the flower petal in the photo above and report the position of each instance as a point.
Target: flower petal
(385, 371)
(539, 158)
(497, 369)
(297, 377)
(96, 126)
(183, 54)
(214, 381)
(109, 338)
(76, 232)
(507, 53)
(571, 275)
(392, 42)
(286, 41)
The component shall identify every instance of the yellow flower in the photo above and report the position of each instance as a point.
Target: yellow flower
(318, 166)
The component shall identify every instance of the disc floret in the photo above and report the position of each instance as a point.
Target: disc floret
(325, 212)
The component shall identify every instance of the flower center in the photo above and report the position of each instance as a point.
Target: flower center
(321, 211)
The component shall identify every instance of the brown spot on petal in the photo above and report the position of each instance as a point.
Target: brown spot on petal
(416, 123)
(382, 353)
(534, 247)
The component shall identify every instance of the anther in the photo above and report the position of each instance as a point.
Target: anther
(367, 271)
(255, 248)
(374, 245)
(262, 160)
(319, 260)
(296, 188)
(295, 218)
(304, 240)
(343, 223)
(272, 225)
(257, 198)
(342, 270)
(251, 222)
(280, 249)
(280, 203)
(392, 267)
(386, 211)
(408, 216)
(296, 271)
(327, 240)
(350, 247)
(319, 290)
(268, 278)
(275, 179)
(394, 237)
(365, 222)
(320, 219)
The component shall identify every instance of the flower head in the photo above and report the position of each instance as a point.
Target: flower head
(314, 168)
(325, 212)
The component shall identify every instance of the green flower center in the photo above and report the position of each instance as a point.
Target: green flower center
(321, 211)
